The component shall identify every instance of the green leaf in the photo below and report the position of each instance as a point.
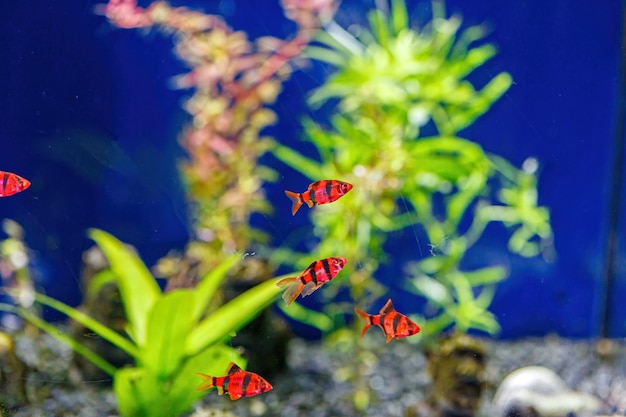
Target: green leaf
(469, 189)
(483, 101)
(138, 394)
(325, 55)
(210, 283)
(99, 280)
(399, 16)
(336, 38)
(431, 265)
(307, 316)
(93, 325)
(486, 322)
(90, 355)
(379, 26)
(485, 276)
(232, 316)
(431, 289)
(474, 59)
(138, 288)
(308, 167)
(169, 324)
(434, 326)
(327, 91)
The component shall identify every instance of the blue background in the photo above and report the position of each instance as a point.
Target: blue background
(86, 115)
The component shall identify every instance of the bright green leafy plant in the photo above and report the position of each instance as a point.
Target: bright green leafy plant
(498, 192)
(402, 96)
(392, 82)
(171, 335)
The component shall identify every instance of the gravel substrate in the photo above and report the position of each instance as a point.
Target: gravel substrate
(318, 382)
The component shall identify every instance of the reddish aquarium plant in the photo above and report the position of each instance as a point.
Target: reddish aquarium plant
(233, 81)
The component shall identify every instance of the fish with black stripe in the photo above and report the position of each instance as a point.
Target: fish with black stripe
(392, 323)
(312, 278)
(237, 383)
(319, 192)
(12, 184)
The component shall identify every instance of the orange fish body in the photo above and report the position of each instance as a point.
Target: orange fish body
(312, 278)
(237, 383)
(12, 184)
(392, 323)
(319, 192)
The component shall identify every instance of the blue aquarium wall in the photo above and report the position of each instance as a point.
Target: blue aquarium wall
(88, 117)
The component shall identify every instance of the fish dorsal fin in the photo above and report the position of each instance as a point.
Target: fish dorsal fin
(233, 369)
(387, 308)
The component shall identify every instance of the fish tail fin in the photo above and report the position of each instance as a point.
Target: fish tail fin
(294, 287)
(365, 316)
(209, 383)
(296, 200)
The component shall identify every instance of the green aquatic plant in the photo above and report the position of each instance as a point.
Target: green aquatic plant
(393, 86)
(497, 192)
(392, 82)
(170, 335)
(232, 82)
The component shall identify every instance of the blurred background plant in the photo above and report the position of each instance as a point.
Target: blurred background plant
(401, 96)
(234, 80)
(14, 273)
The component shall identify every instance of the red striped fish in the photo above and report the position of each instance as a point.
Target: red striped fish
(312, 278)
(392, 323)
(237, 383)
(12, 184)
(319, 192)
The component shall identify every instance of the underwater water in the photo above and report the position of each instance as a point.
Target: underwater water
(483, 145)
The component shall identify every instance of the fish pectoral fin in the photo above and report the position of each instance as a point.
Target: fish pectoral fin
(309, 288)
(389, 338)
(294, 287)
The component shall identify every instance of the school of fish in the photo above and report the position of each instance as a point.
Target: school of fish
(239, 383)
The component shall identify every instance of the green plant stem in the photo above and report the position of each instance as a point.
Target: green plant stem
(93, 325)
(60, 336)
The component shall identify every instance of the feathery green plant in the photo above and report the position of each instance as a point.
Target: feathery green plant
(391, 83)
(171, 334)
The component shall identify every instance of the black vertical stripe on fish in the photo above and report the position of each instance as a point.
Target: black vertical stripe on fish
(313, 274)
(224, 384)
(396, 322)
(246, 381)
(326, 266)
(312, 195)
(329, 188)
(5, 179)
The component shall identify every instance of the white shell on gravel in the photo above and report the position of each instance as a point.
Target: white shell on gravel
(536, 390)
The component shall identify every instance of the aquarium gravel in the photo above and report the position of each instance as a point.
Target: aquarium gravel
(315, 385)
